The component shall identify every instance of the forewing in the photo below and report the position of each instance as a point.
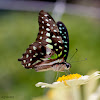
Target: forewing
(65, 38)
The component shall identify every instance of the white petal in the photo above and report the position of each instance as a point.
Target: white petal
(43, 86)
(84, 77)
(53, 85)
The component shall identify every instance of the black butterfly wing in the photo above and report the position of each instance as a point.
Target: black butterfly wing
(48, 43)
(65, 38)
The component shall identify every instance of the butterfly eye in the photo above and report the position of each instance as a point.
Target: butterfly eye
(68, 65)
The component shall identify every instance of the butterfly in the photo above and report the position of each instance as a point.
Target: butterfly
(50, 50)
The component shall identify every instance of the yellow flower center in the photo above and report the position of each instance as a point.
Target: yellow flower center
(69, 77)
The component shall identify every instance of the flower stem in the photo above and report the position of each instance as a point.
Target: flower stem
(76, 93)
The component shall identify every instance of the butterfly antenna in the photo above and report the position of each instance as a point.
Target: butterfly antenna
(73, 55)
(80, 60)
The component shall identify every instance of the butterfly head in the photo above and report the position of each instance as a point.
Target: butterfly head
(68, 66)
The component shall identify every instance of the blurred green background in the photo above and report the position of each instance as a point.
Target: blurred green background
(19, 29)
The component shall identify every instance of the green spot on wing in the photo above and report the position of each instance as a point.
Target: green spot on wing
(60, 54)
(64, 55)
(65, 37)
(65, 42)
(60, 28)
(65, 50)
(60, 24)
(63, 28)
(60, 31)
(54, 56)
(65, 46)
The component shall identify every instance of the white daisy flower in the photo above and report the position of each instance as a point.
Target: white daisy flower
(71, 80)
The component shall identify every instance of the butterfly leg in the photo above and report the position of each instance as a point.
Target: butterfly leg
(67, 72)
(57, 75)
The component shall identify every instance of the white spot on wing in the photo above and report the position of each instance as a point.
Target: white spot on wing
(59, 41)
(41, 32)
(53, 36)
(46, 20)
(29, 64)
(43, 22)
(53, 24)
(48, 40)
(58, 36)
(36, 54)
(49, 46)
(40, 42)
(56, 49)
(41, 37)
(48, 24)
(47, 29)
(55, 44)
(60, 47)
(30, 51)
(36, 62)
(55, 30)
(48, 34)
(34, 48)
(42, 27)
(31, 59)
(24, 61)
(45, 15)
(27, 56)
